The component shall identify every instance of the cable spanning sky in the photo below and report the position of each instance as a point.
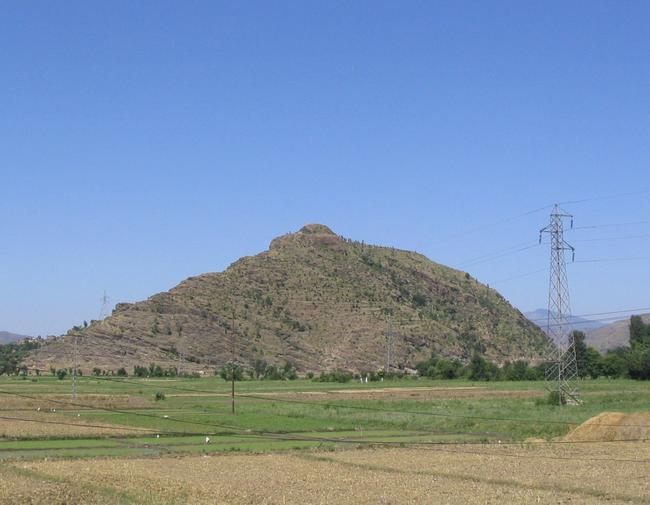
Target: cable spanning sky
(142, 143)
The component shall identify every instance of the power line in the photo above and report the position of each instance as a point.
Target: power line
(498, 256)
(499, 253)
(526, 274)
(360, 407)
(119, 411)
(285, 437)
(498, 222)
(609, 225)
(605, 197)
(605, 239)
(413, 444)
(601, 313)
(492, 224)
(84, 425)
(603, 260)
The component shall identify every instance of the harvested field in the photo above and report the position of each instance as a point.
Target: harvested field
(610, 426)
(48, 424)
(416, 393)
(62, 402)
(598, 473)
(310, 442)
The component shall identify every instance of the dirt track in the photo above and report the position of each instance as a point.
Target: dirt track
(613, 473)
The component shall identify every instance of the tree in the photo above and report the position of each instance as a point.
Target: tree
(518, 371)
(427, 368)
(578, 340)
(639, 331)
(226, 372)
(615, 363)
(259, 367)
(482, 370)
(289, 372)
(593, 364)
(447, 368)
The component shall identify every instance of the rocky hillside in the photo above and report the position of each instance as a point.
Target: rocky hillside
(315, 300)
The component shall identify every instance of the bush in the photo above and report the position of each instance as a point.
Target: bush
(554, 398)
(226, 372)
(447, 369)
(159, 396)
(482, 370)
(121, 372)
(61, 373)
(335, 376)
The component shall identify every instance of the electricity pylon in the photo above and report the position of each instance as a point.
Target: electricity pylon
(562, 370)
(103, 311)
(389, 346)
(75, 365)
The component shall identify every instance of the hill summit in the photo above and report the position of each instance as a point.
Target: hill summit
(316, 300)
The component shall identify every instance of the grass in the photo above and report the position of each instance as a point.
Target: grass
(407, 411)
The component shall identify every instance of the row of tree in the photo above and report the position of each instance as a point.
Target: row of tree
(478, 369)
(261, 370)
(13, 354)
(625, 362)
(632, 361)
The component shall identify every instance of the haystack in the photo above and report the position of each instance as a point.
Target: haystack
(611, 426)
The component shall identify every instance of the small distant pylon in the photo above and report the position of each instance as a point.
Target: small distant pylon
(390, 339)
(562, 370)
(75, 365)
(105, 304)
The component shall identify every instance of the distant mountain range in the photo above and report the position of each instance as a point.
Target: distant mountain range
(613, 335)
(601, 336)
(6, 337)
(540, 317)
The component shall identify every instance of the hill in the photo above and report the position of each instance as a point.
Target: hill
(314, 299)
(613, 335)
(7, 337)
(540, 316)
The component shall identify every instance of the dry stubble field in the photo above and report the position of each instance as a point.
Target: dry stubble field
(610, 473)
(106, 453)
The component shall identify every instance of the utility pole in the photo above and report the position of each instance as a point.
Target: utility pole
(232, 363)
(562, 370)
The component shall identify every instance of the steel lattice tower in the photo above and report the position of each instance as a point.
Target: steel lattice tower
(103, 311)
(562, 370)
(75, 365)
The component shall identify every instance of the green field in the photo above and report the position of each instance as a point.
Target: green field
(284, 415)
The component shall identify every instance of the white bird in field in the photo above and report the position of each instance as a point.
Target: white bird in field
(207, 440)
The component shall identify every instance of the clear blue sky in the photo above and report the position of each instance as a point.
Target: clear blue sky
(144, 142)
